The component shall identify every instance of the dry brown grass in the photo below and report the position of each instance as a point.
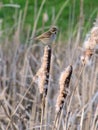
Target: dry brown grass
(20, 99)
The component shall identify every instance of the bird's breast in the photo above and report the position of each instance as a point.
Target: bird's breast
(53, 37)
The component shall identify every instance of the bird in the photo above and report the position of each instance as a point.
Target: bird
(49, 36)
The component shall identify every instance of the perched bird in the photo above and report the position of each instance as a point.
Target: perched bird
(49, 36)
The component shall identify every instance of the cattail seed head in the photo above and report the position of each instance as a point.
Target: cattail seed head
(94, 34)
(86, 57)
(45, 17)
(64, 85)
(44, 71)
(90, 45)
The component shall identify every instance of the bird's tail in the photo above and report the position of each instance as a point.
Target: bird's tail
(33, 39)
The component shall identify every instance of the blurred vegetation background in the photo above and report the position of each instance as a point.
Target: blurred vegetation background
(67, 13)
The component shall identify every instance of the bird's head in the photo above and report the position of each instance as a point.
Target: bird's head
(53, 29)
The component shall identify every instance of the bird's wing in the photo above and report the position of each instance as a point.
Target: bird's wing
(44, 35)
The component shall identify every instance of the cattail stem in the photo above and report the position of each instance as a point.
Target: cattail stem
(56, 121)
(42, 111)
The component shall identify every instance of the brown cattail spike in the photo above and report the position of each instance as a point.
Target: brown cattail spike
(86, 57)
(64, 86)
(90, 45)
(94, 33)
(44, 71)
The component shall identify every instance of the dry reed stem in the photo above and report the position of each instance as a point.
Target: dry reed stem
(7, 115)
(95, 121)
(37, 18)
(2, 95)
(14, 112)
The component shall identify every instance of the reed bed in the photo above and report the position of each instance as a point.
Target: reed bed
(20, 92)
(32, 88)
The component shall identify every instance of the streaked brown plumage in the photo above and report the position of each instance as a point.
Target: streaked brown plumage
(49, 36)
